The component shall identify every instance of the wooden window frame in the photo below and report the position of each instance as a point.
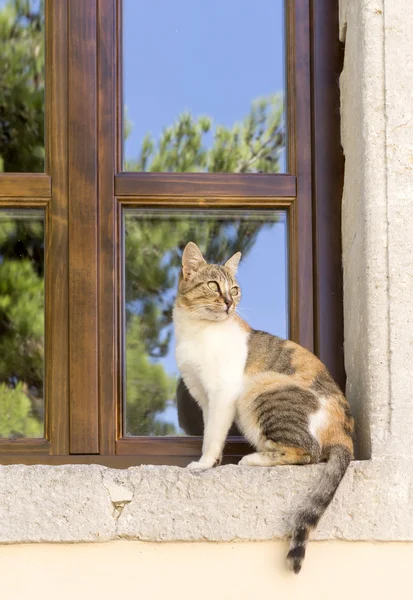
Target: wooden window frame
(84, 192)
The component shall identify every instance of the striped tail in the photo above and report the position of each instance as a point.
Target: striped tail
(308, 518)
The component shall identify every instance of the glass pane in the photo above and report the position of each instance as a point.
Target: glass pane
(22, 86)
(21, 323)
(204, 86)
(153, 247)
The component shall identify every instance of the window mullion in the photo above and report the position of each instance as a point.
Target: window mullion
(108, 328)
(83, 251)
(56, 267)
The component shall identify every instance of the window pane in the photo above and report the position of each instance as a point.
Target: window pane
(21, 323)
(22, 86)
(204, 86)
(153, 247)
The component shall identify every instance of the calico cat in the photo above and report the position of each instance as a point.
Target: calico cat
(280, 395)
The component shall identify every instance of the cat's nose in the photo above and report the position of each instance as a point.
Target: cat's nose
(229, 302)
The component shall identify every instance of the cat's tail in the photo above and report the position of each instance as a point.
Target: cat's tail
(308, 518)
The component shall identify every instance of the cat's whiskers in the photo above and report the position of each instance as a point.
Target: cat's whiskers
(199, 309)
(240, 311)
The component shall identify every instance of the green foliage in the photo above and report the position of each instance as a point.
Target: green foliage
(253, 146)
(16, 419)
(21, 308)
(21, 325)
(21, 241)
(147, 385)
(22, 86)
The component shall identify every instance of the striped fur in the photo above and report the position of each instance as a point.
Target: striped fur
(308, 518)
(278, 393)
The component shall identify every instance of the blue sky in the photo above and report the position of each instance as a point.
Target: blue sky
(210, 58)
(34, 4)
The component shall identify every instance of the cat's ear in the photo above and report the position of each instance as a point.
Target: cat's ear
(192, 259)
(233, 262)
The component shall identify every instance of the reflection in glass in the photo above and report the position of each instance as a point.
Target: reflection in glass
(21, 323)
(204, 86)
(153, 248)
(22, 86)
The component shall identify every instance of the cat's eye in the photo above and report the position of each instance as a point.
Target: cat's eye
(213, 286)
(234, 291)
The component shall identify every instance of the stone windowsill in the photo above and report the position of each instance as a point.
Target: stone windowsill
(86, 503)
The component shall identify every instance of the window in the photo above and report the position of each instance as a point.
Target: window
(221, 128)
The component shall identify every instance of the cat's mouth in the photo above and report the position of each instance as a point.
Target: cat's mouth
(218, 314)
(227, 310)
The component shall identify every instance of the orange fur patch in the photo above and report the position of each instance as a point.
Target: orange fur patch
(243, 324)
(334, 433)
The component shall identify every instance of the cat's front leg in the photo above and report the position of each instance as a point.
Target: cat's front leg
(219, 417)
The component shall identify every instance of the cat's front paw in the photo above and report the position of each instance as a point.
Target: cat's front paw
(245, 461)
(252, 460)
(200, 465)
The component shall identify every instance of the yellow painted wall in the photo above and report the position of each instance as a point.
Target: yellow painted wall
(248, 571)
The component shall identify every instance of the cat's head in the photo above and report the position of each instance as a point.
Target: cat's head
(208, 292)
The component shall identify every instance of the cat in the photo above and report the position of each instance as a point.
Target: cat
(280, 395)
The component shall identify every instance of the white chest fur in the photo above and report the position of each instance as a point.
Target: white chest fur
(211, 356)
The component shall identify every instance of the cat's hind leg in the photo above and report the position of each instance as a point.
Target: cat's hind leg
(276, 422)
(277, 455)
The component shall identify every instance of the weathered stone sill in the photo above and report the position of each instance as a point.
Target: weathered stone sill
(86, 503)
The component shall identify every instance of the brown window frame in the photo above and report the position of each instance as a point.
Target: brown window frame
(84, 192)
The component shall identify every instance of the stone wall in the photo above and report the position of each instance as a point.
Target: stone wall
(377, 138)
